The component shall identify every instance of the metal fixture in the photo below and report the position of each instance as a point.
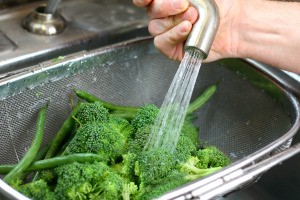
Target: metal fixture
(52, 6)
(43, 23)
(205, 28)
(118, 21)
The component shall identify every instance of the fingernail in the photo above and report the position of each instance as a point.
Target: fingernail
(178, 4)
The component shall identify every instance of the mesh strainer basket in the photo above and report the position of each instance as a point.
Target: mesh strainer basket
(249, 118)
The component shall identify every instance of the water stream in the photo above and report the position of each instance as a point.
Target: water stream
(167, 128)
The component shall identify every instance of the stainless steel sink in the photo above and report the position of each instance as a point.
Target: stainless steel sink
(279, 183)
(90, 24)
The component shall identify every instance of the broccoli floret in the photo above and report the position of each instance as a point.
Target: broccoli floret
(100, 139)
(184, 148)
(190, 167)
(126, 167)
(191, 131)
(121, 125)
(129, 189)
(188, 171)
(91, 181)
(211, 156)
(112, 186)
(37, 190)
(92, 112)
(145, 116)
(137, 144)
(167, 184)
(47, 175)
(153, 165)
(80, 180)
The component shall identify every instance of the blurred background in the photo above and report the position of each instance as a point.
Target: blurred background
(12, 3)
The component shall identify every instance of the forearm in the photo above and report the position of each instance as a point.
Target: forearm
(270, 32)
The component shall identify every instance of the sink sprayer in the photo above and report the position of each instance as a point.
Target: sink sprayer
(206, 26)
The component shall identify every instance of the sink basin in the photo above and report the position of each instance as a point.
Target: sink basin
(90, 24)
(280, 182)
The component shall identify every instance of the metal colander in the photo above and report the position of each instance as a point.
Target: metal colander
(249, 117)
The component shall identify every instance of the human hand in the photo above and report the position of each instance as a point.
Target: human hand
(171, 22)
(247, 29)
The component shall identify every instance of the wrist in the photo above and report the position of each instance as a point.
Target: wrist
(268, 32)
(247, 26)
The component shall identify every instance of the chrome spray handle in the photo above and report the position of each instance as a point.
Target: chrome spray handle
(206, 26)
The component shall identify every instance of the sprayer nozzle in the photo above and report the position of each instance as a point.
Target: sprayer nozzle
(205, 28)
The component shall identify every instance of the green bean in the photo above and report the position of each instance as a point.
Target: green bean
(33, 149)
(91, 98)
(129, 112)
(66, 128)
(126, 115)
(55, 162)
(202, 99)
(40, 155)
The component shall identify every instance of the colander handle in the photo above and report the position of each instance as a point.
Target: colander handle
(237, 178)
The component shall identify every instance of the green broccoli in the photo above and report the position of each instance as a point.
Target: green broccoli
(211, 156)
(101, 139)
(47, 175)
(174, 180)
(92, 112)
(91, 181)
(153, 165)
(126, 167)
(190, 130)
(145, 116)
(137, 143)
(128, 190)
(142, 124)
(80, 180)
(191, 167)
(121, 125)
(187, 140)
(184, 148)
(112, 186)
(37, 190)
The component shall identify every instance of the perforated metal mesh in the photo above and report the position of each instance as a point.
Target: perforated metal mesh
(240, 118)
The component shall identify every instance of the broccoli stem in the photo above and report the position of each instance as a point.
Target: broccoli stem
(62, 133)
(202, 173)
(33, 149)
(198, 171)
(55, 162)
(91, 98)
(202, 99)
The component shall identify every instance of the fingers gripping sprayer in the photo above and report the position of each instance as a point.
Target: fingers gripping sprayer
(206, 26)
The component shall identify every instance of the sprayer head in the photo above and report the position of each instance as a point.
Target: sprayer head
(205, 28)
